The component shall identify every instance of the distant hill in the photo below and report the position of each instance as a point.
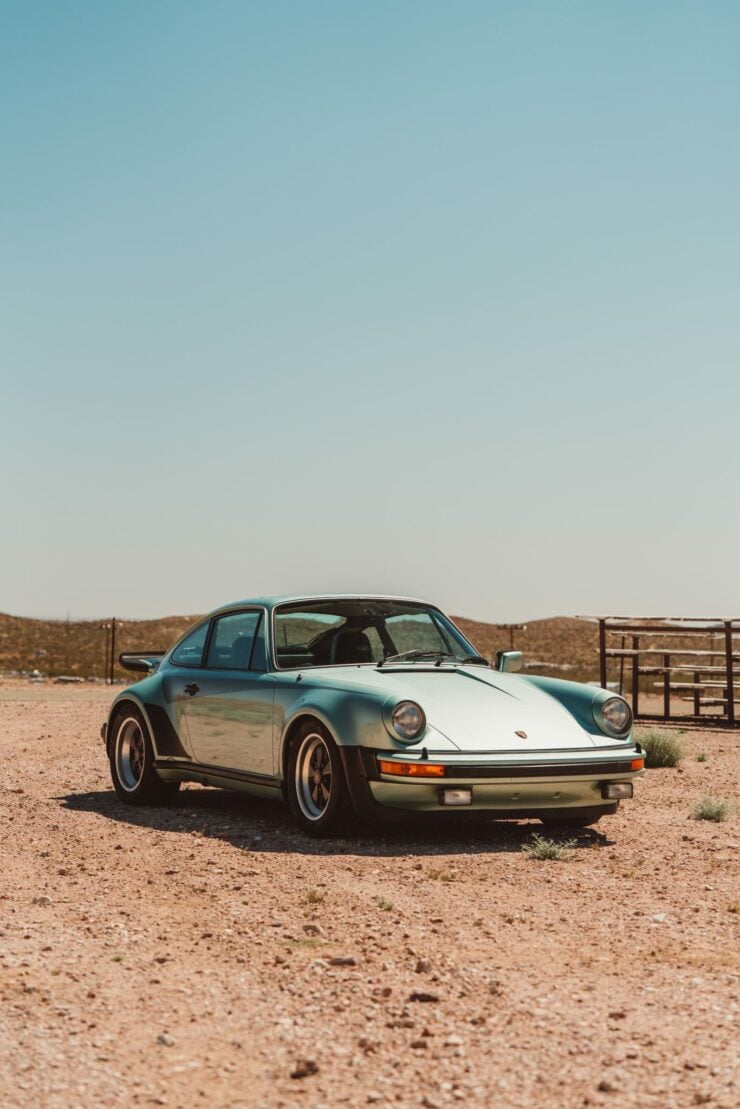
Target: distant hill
(77, 647)
(561, 645)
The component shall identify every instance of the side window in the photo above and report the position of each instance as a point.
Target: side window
(231, 643)
(190, 651)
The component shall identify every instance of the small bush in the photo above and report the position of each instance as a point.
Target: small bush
(711, 808)
(661, 749)
(313, 897)
(438, 874)
(541, 848)
(701, 757)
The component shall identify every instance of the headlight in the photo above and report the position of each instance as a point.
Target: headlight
(616, 716)
(408, 720)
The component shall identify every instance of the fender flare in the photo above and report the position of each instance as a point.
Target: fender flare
(119, 704)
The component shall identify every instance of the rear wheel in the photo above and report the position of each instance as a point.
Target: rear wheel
(316, 787)
(574, 818)
(132, 762)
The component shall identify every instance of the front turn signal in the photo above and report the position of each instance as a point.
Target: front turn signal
(411, 769)
(637, 764)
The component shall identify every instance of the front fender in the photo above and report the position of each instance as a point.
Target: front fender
(579, 699)
(352, 719)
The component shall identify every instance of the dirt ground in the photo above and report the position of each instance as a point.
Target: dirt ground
(209, 954)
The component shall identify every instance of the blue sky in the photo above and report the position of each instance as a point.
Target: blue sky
(427, 298)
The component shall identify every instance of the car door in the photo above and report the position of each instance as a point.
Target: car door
(229, 709)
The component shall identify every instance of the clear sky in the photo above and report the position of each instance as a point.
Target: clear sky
(427, 298)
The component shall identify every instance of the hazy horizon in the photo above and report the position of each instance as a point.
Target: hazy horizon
(419, 299)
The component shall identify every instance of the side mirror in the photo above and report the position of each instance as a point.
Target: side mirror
(509, 661)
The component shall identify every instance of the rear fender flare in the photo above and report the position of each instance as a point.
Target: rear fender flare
(119, 705)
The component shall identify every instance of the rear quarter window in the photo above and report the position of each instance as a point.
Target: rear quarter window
(190, 651)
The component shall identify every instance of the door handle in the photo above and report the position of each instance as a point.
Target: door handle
(191, 689)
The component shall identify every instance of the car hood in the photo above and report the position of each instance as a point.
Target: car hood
(476, 709)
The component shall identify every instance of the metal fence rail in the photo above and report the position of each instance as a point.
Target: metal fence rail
(695, 662)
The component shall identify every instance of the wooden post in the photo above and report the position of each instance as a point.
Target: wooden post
(635, 675)
(730, 674)
(602, 653)
(112, 648)
(667, 686)
(106, 629)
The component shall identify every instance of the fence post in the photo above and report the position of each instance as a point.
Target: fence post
(602, 653)
(730, 674)
(112, 648)
(667, 686)
(635, 675)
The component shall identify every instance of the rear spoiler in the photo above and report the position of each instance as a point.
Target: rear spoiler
(143, 662)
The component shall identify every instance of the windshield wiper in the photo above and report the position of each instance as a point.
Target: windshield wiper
(440, 656)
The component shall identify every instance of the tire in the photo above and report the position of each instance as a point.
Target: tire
(573, 818)
(316, 787)
(132, 761)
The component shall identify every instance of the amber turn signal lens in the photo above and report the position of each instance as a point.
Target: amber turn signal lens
(411, 769)
(637, 764)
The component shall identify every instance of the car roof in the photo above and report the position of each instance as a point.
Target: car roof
(289, 598)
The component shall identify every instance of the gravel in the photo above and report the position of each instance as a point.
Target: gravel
(174, 956)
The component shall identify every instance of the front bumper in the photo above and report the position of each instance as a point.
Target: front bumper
(539, 784)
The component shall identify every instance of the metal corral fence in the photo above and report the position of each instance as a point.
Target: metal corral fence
(692, 665)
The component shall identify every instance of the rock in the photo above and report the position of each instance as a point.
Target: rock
(606, 1087)
(658, 917)
(342, 961)
(423, 966)
(304, 1068)
(422, 995)
(419, 1045)
(313, 929)
(165, 1039)
(42, 899)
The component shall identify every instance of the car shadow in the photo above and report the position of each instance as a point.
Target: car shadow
(265, 826)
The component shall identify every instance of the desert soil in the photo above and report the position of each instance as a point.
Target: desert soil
(209, 954)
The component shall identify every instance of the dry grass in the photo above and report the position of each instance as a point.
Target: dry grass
(711, 808)
(539, 847)
(661, 749)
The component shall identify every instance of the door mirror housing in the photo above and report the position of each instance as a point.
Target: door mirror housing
(509, 661)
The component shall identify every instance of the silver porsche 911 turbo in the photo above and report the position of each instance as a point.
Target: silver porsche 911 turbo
(363, 705)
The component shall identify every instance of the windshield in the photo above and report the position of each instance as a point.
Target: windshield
(374, 632)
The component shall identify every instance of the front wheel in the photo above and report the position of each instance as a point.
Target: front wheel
(132, 762)
(316, 786)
